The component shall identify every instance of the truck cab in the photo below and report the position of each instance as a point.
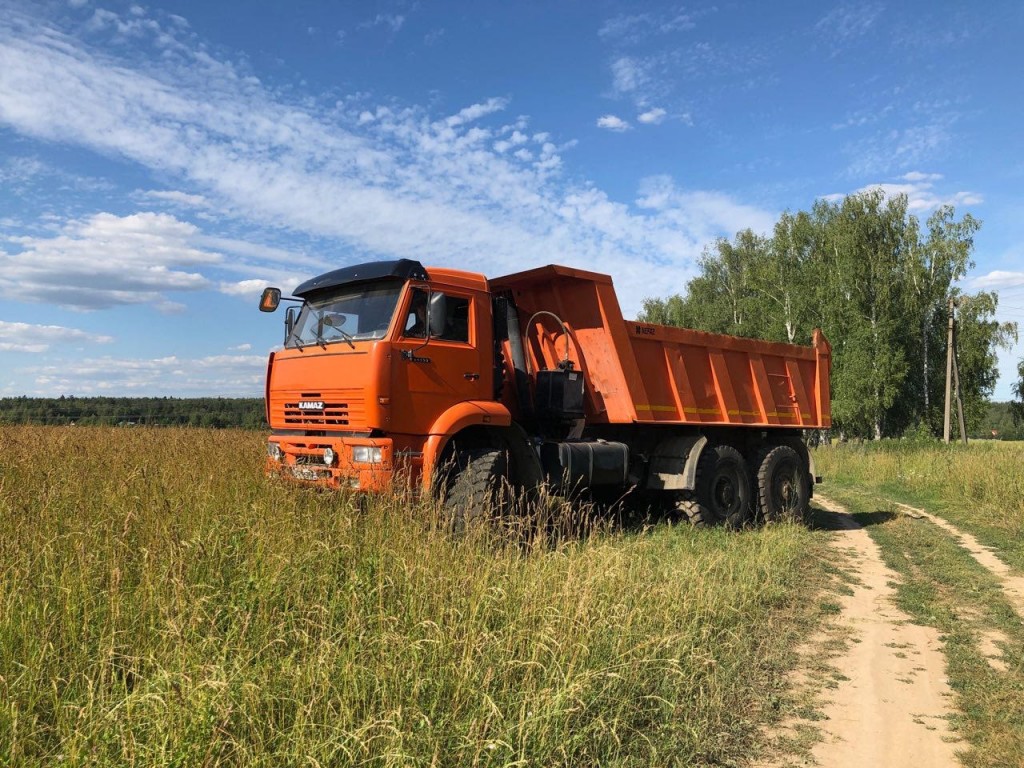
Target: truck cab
(377, 359)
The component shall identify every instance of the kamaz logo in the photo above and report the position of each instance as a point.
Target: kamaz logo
(311, 405)
(642, 331)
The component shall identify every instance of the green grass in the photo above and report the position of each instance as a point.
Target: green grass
(163, 604)
(942, 586)
(978, 487)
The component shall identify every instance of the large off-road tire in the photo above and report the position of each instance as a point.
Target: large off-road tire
(477, 486)
(724, 489)
(691, 511)
(783, 484)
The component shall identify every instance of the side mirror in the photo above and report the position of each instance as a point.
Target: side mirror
(270, 300)
(289, 322)
(437, 312)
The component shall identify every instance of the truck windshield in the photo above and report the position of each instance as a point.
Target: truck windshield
(346, 314)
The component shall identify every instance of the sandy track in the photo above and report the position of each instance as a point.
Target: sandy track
(892, 709)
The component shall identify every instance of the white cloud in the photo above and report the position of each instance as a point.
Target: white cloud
(217, 375)
(27, 337)
(613, 123)
(105, 261)
(635, 28)
(402, 184)
(848, 22)
(920, 192)
(652, 116)
(997, 279)
(629, 75)
(895, 149)
(240, 348)
(175, 197)
(917, 176)
(476, 111)
(393, 21)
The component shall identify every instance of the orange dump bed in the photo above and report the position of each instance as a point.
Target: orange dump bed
(643, 373)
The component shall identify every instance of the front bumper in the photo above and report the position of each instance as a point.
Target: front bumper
(301, 460)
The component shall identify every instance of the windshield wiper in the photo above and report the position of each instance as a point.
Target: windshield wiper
(329, 321)
(346, 337)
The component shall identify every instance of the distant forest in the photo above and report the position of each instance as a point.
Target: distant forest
(216, 412)
(247, 413)
(998, 424)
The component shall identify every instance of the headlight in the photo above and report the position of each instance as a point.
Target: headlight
(274, 451)
(328, 456)
(366, 454)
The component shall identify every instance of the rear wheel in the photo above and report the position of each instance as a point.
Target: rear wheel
(783, 485)
(724, 492)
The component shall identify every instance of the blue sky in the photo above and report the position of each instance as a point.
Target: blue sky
(160, 163)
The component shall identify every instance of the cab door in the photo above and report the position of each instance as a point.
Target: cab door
(453, 364)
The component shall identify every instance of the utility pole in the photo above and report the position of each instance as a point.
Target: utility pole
(949, 373)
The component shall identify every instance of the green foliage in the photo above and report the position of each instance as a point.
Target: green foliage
(999, 424)
(216, 412)
(863, 271)
(1017, 406)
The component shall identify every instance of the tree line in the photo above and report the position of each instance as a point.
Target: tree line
(879, 284)
(217, 412)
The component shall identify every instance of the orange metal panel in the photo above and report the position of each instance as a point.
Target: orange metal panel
(650, 373)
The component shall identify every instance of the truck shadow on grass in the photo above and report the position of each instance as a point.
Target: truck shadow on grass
(825, 520)
(577, 519)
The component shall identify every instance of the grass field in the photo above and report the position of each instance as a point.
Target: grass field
(979, 487)
(162, 603)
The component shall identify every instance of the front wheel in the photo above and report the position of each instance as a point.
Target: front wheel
(724, 491)
(477, 486)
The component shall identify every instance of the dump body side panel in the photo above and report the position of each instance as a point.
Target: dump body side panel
(644, 373)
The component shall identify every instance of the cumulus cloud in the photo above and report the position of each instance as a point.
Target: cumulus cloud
(107, 260)
(613, 123)
(920, 191)
(652, 116)
(28, 337)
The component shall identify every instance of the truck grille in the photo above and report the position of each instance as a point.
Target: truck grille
(297, 410)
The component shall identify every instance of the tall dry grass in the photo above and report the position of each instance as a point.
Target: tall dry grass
(162, 603)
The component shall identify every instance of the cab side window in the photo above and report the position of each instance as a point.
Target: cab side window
(456, 321)
(454, 325)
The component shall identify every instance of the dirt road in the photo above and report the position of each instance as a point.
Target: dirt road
(892, 702)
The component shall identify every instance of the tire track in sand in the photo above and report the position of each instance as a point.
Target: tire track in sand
(1013, 586)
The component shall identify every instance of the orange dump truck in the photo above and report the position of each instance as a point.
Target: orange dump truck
(393, 373)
